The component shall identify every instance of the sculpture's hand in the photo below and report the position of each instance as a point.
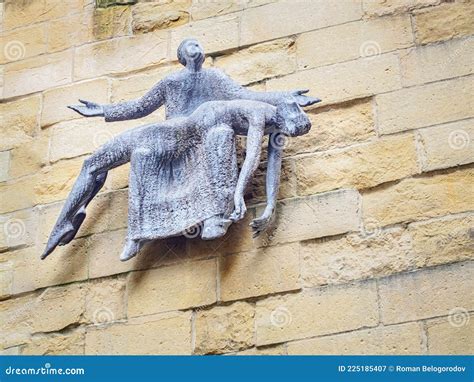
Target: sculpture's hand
(304, 100)
(88, 109)
(260, 224)
(239, 209)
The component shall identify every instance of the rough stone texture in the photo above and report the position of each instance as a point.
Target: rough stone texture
(16, 195)
(29, 157)
(267, 350)
(353, 40)
(422, 295)
(205, 9)
(55, 100)
(112, 56)
(444, 22)
(259, 62)
(150, 16)
(368, 76)
(335, 127)
(37, 74)
(321, 215)
(417, 198)
(18, 229)
(371, 253)
(4, 165)
(24, 43)
(56, 344)
(447, 145)
(384, 7)
(66, 32)
(397, 340)
(444, 338)
(437, 62)
(224, 328)
(316, 312)
(361, 166)
(19, 121)
(441, 102)
(272, 270)
(168, 333)
(443, 240)
(159, 290)
(286, 18)
(111, 22)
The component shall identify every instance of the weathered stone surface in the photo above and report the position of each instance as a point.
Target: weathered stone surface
(111, 22)
(105, 301)
(224, 328)
(334, 127)
(444, 22)
(321, 215)
(168, 333)
(287, 18)
(316, 312)
(17, 195)
(24, 13)
(18, 229)
(205, 9)
(23, 43)
(106, 249)
(135, 86)
(73, 30)
(447, 145)
(443, 240)
(417, 198)
(260, 272)
(437, 62)
(396, 339)
(441, 102)
(19, 121)
(362, 166)
(70, 265)
(353, 40)
(38, 312)
(37, 74)
(267, 350)
(159, 290)
(446, 338)
(384, 7)
(107, 211)
(260, 62)
(4, 165)
(216, 34)
(113, 56)
(371, 75)
(56, 344)
(422, 294)
(55, 100)
(356, 256)
(29, 157)
(161, 15)
(6, 277)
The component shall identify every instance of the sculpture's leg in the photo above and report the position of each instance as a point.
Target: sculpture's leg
(220, 146)
(88, 183)
(131, 248)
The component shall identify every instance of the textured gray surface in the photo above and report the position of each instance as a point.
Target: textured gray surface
(184, 170)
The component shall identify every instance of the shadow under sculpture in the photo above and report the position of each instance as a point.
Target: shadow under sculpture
(184, 170)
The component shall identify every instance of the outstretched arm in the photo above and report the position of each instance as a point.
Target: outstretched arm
(122, 111)
(275, 151)
(252, 158)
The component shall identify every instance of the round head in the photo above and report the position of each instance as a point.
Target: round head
(190, 52)
(291, 119)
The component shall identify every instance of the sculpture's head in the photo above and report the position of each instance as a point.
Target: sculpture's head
(291, 119)
(191, 54)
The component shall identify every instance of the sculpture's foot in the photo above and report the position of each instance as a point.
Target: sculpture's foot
(215, 227)
(132, 247)
(76, 223)
(60, 235)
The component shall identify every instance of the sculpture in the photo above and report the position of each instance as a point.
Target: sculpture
(184, 170)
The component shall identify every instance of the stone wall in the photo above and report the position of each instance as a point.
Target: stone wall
(373, 248)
